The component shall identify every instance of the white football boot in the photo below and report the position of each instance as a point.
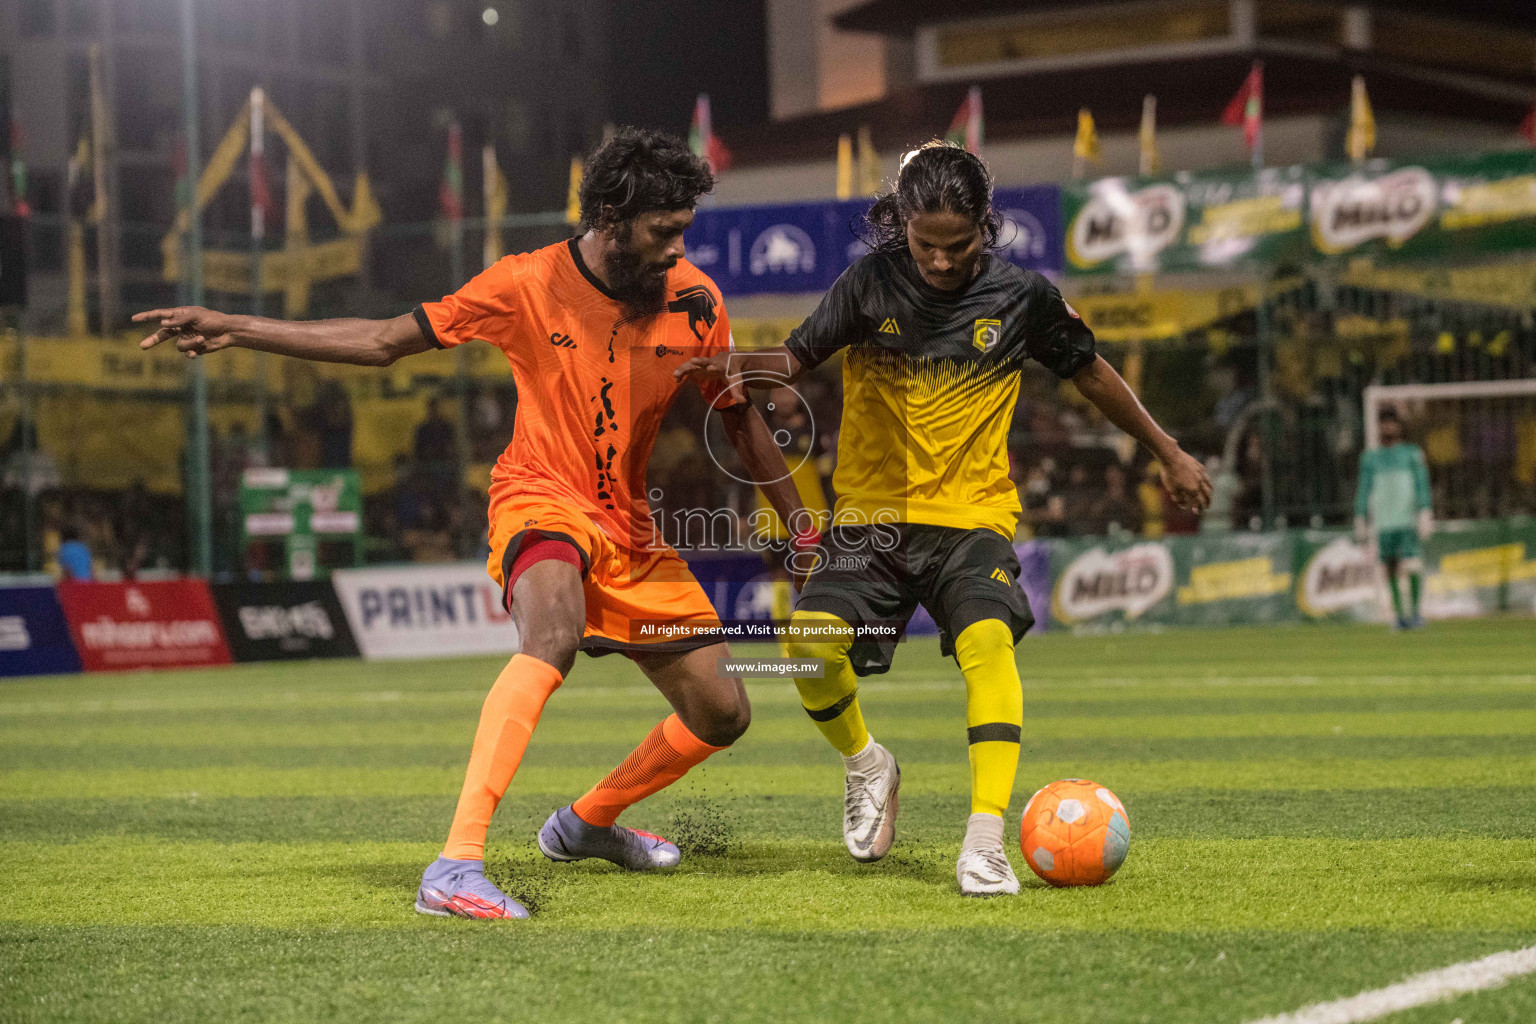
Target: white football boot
(982, 868)
(869, 802)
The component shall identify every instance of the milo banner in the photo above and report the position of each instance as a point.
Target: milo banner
(1111, 583)
(1190, 222)
(1436, 208)
(1520, 592)
(1474, 568)
(1393, 210)
(1235, 577)
(1336, 578)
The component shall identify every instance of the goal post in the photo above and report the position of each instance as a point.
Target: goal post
(1479, 438)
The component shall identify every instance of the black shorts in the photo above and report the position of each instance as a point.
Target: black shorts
(878, 575)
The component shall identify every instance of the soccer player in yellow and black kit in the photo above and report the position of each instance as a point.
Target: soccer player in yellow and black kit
(938, 330)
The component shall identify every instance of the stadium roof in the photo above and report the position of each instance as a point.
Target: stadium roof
(1191, 90)
(903, 17)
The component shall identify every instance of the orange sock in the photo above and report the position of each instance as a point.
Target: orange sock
(507, 720)
(660, 760)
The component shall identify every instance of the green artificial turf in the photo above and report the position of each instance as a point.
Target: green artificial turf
(1315, 812)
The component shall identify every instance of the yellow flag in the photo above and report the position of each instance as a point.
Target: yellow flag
(1362, 123)
(1151, 163)
(1086, 145)
(844, 167)
(573, 195)
(495, 204)
(869, 163)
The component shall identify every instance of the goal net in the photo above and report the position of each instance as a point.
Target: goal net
(1479, 439)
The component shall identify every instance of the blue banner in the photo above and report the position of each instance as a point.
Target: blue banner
(803, 247)
(34, 638)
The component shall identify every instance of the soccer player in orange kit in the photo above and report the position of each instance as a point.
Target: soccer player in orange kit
(593, 329)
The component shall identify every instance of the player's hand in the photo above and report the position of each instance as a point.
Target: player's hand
(1426, 524)
(714, 369)
(195, 330)
(1186, 482)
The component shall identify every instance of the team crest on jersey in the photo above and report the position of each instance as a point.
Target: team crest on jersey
(890, 327)
(988, 334)
(699, 303)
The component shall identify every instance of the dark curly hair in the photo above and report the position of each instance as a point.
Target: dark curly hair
(637, 170)
(939, 177)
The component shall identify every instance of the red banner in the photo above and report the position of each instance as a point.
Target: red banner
(164, 624)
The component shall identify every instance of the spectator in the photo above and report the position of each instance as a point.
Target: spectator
(74, 556)
(1116, 509)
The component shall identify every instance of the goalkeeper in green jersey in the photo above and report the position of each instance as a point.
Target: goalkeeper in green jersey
(1393, 498)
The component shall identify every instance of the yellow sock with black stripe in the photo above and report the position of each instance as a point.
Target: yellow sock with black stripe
(994, 712)
(832, 701)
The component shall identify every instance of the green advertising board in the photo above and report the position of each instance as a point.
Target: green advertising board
(1189, 222)
(1110, 583)
(1466, 569)
(1389, 210)
(1234, 577)
(298, 509)
(1520, 566)
(1337, 578)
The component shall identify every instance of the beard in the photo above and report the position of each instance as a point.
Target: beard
(640, 285)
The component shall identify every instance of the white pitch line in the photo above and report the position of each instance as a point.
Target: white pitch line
(1419, 990)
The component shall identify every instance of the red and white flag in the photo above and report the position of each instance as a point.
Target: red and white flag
(702, 138)
(966, 128)
(1247, 107)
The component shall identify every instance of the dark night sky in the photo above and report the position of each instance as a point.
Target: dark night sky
(666, 52)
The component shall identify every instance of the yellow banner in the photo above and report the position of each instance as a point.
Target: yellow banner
(1507, 285)
(1159, 316)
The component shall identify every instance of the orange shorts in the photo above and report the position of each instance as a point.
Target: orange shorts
(637, 601)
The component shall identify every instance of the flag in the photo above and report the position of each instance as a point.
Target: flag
(450, 194)
(573, 193)
(495, 204)
(868, 163)
(1362, 123)
(77, 176)
(844, 167)
(702, 139)
(1086, 145)
(1151, 163)
(19, 204)
(1247, 107)
(1528, 126)
(183, 186)
(261, 195)
(966, 128)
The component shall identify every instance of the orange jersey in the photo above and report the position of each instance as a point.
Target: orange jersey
(593, 382)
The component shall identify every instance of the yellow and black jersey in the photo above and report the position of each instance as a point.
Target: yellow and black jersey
(929, 386)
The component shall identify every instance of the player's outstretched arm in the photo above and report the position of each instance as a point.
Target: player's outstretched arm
(197, 331)
(772, 368)
(1183, 476)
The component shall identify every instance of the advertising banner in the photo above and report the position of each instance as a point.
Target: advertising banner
(1035, 577)
(1235, 578)
(803, 247)
(1189, 222)
(1520, 592)
(428, 611)
(282, 621)
(297, 507)
(1107, 583)
(1392, 210)
(1446, 206)
(160, 624)
(1337, 578)
(1466, 567)
(34, 638)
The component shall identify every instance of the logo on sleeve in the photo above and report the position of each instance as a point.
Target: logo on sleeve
(988, 333)
(1001, 577)
(890, 326)
(699, 303)
(561, 340)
